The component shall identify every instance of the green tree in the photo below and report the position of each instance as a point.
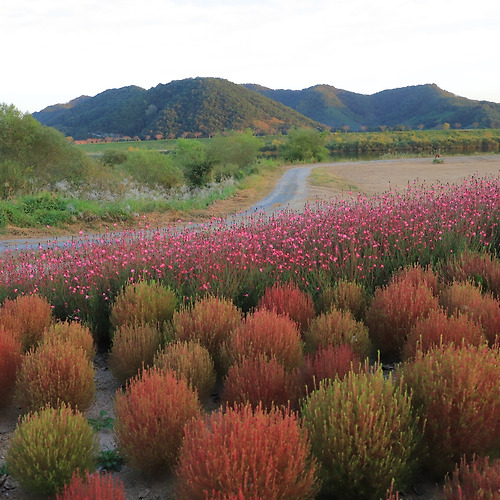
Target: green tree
(195, 160)
(305, 144)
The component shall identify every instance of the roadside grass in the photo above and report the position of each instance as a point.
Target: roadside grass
(323, 177)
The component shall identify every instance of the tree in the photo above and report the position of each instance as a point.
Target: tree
(305, 144)
(193, 157)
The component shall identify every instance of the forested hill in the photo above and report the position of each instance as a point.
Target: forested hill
(191, 107)
(420, 106)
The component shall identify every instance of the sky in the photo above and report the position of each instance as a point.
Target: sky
(52, 51)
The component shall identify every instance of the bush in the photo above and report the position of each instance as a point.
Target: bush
(394, 310)
(269, 334)
(134, 346)
(337, 328)
(455, 389)
(10, 359)
(288, 299)
(210, 322)
(247, 453)
(57, 372)
(150, 417)
(345, 296)
(329, 362)
(466, 298)
(478, 480)
(261, 381)
(418, 276)
(363, 434)
(93, 487)
(73, 332)
(191, 361)
(439, 329)
(143, 302)
(26, 316)
(48, 446)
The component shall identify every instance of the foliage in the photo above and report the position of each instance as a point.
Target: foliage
(110, 460)
(248, 452)
(288, 299)
(150, 417)
(346, 296)
(195, 161)
(305, 144)
(73, 332)
(363, 434)
(191, 361)
(10, 359)
(134, 346)
(102, 422)
(455, 390)
(100, 486)
(337, 327)
(56, 372)
(265, 333)
(48, 446)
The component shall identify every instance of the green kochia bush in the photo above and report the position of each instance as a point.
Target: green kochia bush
(363, 433)
(48, 446)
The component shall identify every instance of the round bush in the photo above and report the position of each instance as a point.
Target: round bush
(261, 380)
(337, 327)
(150, 417)
(418, 276)
(48, 446)
(249, 452)
(53, 373)
(345, 296)
(143, 302)
(191, 361)
(266, 333)
(456, 391)
(134, 346)
(288, 299)
(100, 486)
(363, 433)
(73, 332)
(10, 359)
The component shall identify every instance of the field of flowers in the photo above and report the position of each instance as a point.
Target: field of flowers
(291, 316)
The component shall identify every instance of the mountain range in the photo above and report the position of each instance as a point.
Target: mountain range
(200, 107)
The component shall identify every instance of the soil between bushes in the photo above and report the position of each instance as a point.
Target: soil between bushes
(368, 178)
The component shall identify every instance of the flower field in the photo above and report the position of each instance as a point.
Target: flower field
(279, 307)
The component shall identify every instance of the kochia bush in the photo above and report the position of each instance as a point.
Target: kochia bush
(73, 332)
(363, 433)
(10, 359)
(100, 486)
(246, 453)
(48, 446)
(346, 296)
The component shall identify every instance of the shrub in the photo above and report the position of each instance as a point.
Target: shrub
(73, 332)
(290, 300)
(363, 434)
(143, 302)
(346, 296)
(439, 329)
(150, 417)
(418, 276)
(56, 372)
(394, 310)
(479, 479)
(466, 298)
(267, 333)
(10, 359)
(210, 322)
(245, 452)
(328, 363)
(455, 388)
(100, 486)
(261, 380)
(27, 316)
(336, 328)
(134, 345)
(48, 446)
(191, 361)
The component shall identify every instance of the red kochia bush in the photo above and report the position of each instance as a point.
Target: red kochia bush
(287, 298)
(478, 480)
(246, 451)
(456, 392)
(394, 310)
(268, 333)
(150, 417)
(26, 316)
(438, 329)
(418, 276)
(93, 487)
(261, 380)
(10, 359)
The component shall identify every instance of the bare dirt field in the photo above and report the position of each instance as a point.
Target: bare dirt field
(320, 182)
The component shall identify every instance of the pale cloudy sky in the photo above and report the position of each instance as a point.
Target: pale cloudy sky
(52, 51)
